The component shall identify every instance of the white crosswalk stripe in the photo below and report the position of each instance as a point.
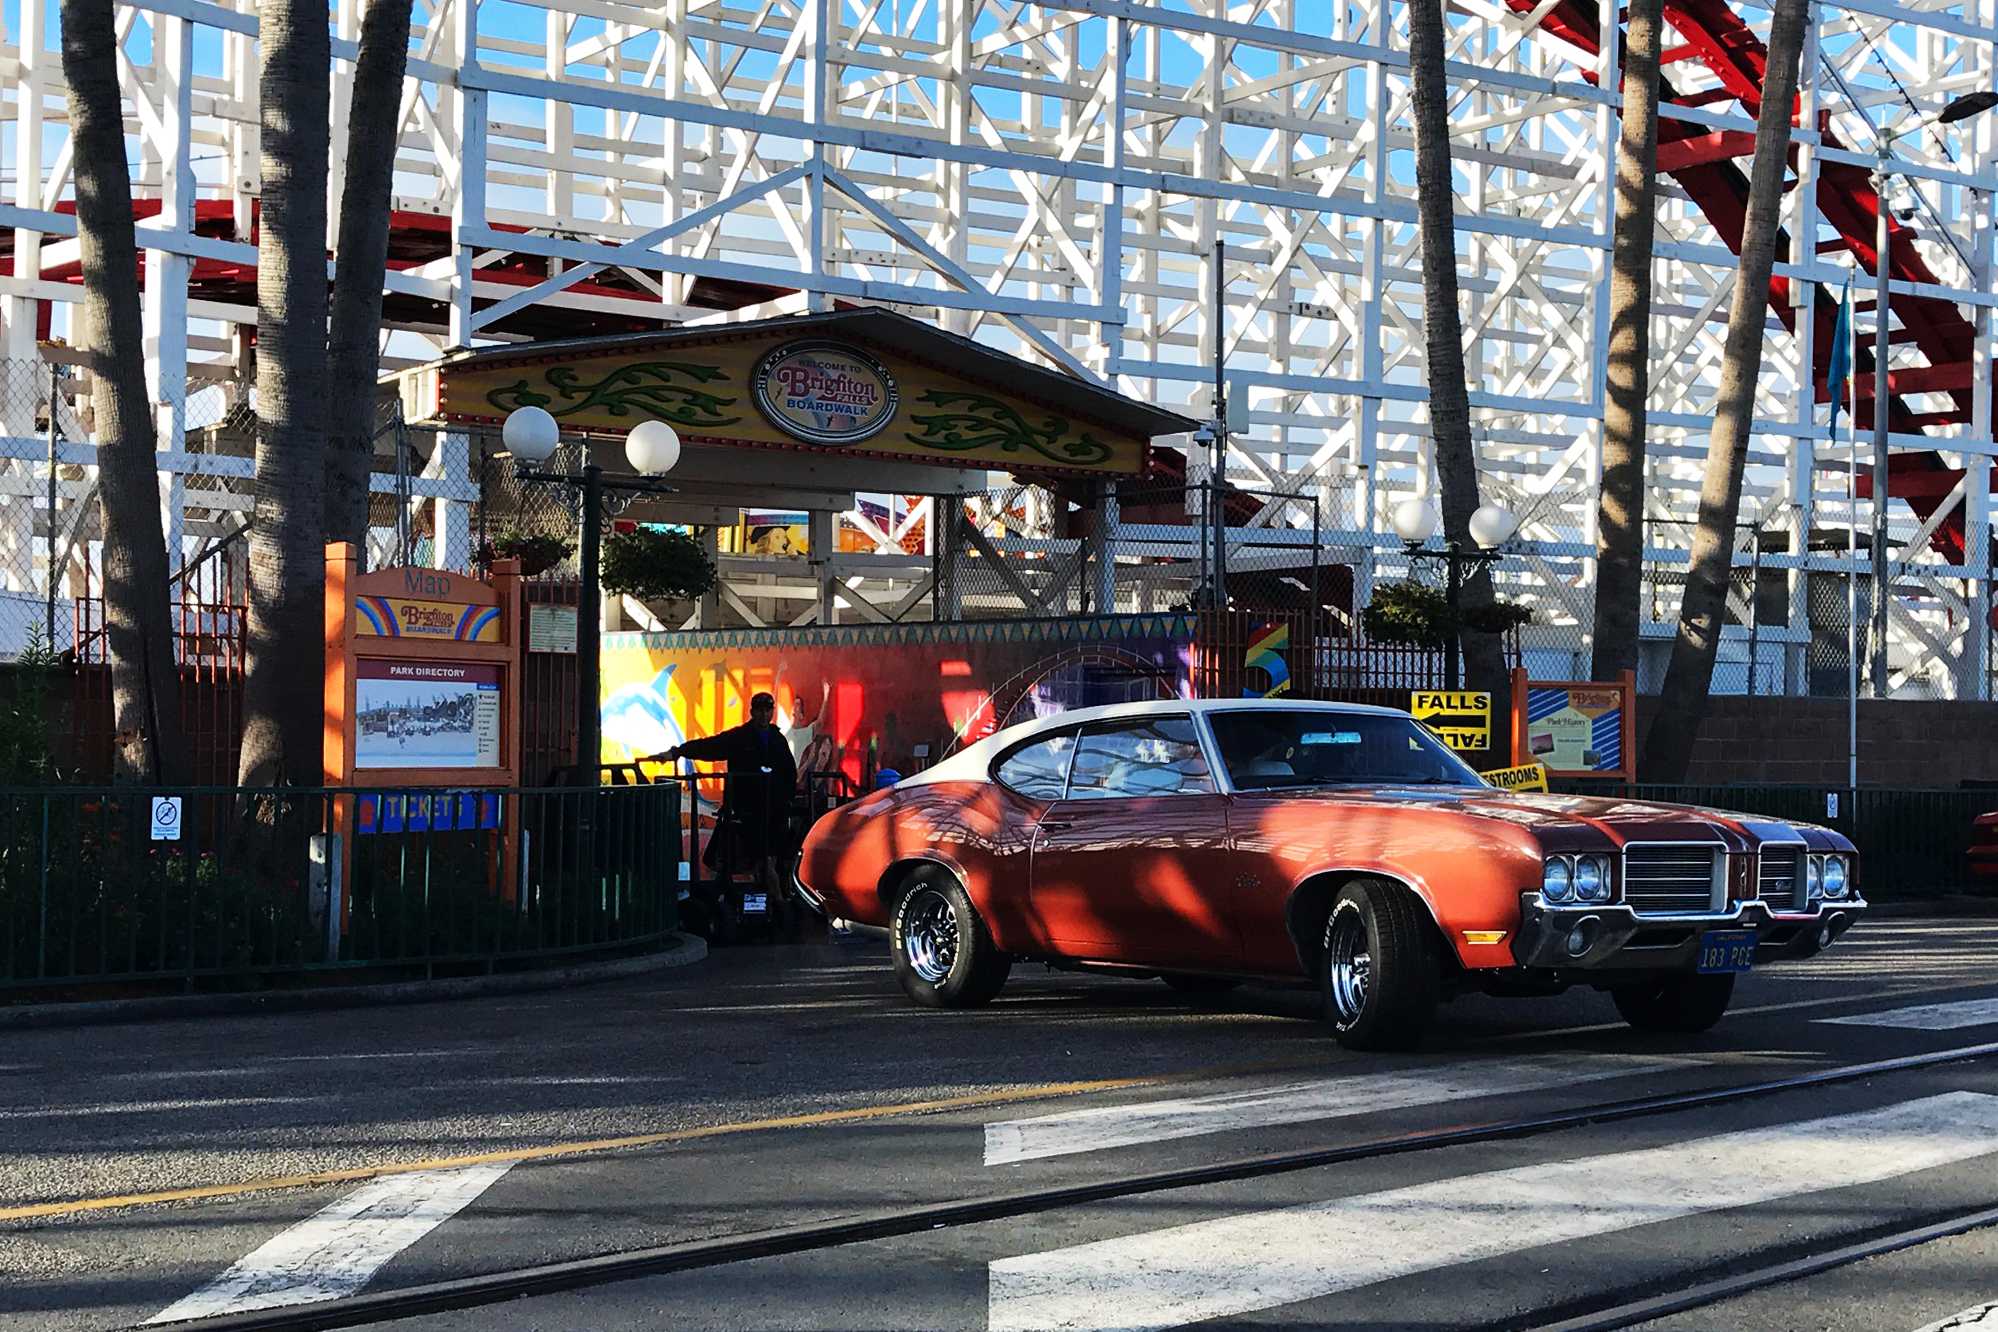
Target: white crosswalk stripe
(1982, 1318)
(1100, 1127)
(1928, 1017)
(338, 1251)
(1262, 1260)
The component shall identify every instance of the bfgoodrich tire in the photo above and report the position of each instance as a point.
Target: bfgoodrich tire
(944, 956)
(1377, 968)
(1683, 1002)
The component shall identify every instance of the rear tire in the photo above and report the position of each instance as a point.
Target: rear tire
(944, 956)
(1685, 1003)
(1377, 969)
(1188, 983)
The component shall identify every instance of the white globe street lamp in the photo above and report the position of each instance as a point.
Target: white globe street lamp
(1416, 520)
(531, 435)
(652, 448)
(1492, 525)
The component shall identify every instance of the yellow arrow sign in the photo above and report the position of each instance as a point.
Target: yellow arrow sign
(1461, 718)
(1529, 777)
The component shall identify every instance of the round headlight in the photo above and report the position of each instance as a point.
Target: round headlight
(1835, 876)
(1591, 882)
(1557, 881)
(1814, 877)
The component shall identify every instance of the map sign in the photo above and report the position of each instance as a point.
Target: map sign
(426, 714)
(1462, 718)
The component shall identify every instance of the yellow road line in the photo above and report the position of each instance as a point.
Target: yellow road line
(1041, 1091)
(198, 1192)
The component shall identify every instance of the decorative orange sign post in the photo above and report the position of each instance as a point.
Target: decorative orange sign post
(423, 690)
(1576, 728)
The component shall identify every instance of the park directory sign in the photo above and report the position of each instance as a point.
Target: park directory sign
(426, 714)
(422, 685)
(1576, 728)
(422, 676)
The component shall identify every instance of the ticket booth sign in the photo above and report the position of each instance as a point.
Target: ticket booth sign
(1461, 718)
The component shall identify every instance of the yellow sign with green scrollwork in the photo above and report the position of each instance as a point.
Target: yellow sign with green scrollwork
(818, 394)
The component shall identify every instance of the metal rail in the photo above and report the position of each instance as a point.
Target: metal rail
(551, 1278)
(1726, 1288)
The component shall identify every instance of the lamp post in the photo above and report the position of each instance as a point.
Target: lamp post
(1962, 108)
(1492, 525)
(652, 448)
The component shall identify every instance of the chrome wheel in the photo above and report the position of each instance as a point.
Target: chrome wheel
(1349, 964)
(929, 935)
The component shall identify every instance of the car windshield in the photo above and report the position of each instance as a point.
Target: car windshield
(1266, 751)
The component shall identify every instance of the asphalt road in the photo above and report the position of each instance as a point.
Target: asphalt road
(181, 1168)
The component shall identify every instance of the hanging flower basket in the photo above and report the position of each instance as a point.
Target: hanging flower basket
(1418, 615)
(652, 564)
(537, 553)
(1410, 614)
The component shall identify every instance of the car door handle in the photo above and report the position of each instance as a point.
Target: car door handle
(1056, 826)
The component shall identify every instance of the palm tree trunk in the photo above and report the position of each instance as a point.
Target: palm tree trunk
(145, 679)
(281, 703)
(1449, 399)
(354, 355)
(1620, 506)
(1682, 704)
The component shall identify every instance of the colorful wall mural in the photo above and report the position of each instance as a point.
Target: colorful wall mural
(860, 698)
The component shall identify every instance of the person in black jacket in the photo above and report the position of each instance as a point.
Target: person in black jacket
(756, 795)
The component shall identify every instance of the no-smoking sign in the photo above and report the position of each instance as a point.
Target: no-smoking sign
(166, 818)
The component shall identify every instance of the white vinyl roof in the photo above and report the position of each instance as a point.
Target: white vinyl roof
(972, 763)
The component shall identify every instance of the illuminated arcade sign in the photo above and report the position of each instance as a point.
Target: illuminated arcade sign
(825, 392)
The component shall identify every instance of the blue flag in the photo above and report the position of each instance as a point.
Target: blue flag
(1841, 352)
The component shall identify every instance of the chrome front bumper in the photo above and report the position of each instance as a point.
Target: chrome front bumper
(805, 895)
(1615, 938)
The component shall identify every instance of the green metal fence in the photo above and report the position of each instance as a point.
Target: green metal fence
(100, 888)
(1911, 843)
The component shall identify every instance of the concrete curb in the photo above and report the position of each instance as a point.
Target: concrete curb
(685, 950)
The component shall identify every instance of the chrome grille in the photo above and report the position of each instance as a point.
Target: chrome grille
(1673, 879)
(1778, 876)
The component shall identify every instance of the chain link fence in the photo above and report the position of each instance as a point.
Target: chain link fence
(450, 499)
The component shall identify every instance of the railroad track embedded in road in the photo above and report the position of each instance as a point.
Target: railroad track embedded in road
(1702, 1294)
(575, 1274)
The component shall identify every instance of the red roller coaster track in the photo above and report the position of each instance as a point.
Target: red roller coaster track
(1703, 164)
(1701, 161)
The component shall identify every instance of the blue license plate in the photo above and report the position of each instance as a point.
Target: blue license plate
(755, 904)
(1726, 950)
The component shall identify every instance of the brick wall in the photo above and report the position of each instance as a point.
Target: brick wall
(1803, 741)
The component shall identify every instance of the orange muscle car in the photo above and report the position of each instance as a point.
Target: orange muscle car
(1216, 841)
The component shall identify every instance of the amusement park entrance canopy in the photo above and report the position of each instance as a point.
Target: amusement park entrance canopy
(876, 400)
